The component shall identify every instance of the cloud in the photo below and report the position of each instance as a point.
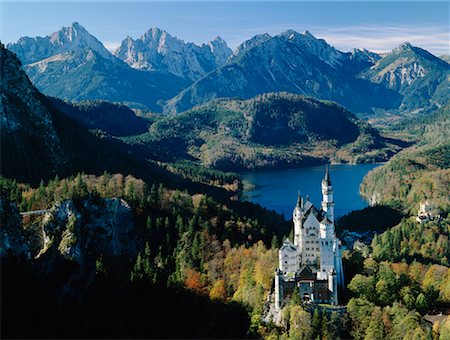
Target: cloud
(111, 45)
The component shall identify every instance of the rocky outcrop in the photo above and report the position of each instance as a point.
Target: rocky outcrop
(84, 231)
(12, 235)
(29, 142)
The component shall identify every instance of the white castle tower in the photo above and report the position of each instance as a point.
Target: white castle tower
(327, 193)
(297, 217)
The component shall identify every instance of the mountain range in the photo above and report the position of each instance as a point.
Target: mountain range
(162, 73)
(72, 64)
(157, 50)
(43, 137)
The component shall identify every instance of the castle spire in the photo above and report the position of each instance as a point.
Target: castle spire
(327, 179)
(299, 200)
(327, 196)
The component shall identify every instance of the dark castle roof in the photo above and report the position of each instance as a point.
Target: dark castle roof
(305, 273)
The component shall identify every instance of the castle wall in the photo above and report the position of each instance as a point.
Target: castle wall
(288, 258)
(310, 245)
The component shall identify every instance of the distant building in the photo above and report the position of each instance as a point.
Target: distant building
(425, 212)
(313, 263)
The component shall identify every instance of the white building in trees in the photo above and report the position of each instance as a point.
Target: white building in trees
(313, 263)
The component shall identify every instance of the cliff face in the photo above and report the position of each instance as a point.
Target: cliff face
(12, 236)
(72, 241)
(29, 142)
(84, 231)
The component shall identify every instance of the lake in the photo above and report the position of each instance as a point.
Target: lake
(277, 189)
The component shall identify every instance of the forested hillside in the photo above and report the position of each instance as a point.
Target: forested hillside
(276, 129)
(405, 273)
(417, 173)
(192, 247)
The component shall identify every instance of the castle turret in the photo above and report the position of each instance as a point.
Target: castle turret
(297, 217)
(327, 196)
(278, 289)
(327, 240)
(338, 266)
(332, 287)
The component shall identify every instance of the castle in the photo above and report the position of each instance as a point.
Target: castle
(313, 263)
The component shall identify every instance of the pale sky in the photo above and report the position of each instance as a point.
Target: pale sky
(376, 25)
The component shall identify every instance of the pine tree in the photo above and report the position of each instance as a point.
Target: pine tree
(316, 323)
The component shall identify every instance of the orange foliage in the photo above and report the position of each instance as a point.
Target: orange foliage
(193, 280)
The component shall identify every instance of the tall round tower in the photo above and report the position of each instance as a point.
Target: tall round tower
(297, 216)
(327, 196)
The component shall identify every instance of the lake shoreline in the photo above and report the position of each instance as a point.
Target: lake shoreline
(277, 189)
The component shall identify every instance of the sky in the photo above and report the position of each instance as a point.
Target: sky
(376, 25)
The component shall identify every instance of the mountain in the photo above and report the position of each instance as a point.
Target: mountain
(157, 50)
(249, 44)
(421, 78)
(43, 137)
(38, 141)
(161, 73)
(360, 60)
(445, 57)
(31, 147)
(67, 39)
(291, 62)
(72, 64)
(276, 129)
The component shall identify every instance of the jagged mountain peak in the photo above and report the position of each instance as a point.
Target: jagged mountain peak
(405, 45)
(318, 47)
(66, 39)
(419, 76)
(155, 33)
(157, 50)
(292, 34)
(308, 33)
(413, 54)
(219, 50)
(250, 43)
(219, 39)
(364, 55)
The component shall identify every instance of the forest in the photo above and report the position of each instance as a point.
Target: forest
(219, 257)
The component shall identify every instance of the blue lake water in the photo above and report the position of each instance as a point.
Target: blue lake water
(277, 190)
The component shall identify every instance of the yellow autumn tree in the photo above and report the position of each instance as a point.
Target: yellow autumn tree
(218, 291)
